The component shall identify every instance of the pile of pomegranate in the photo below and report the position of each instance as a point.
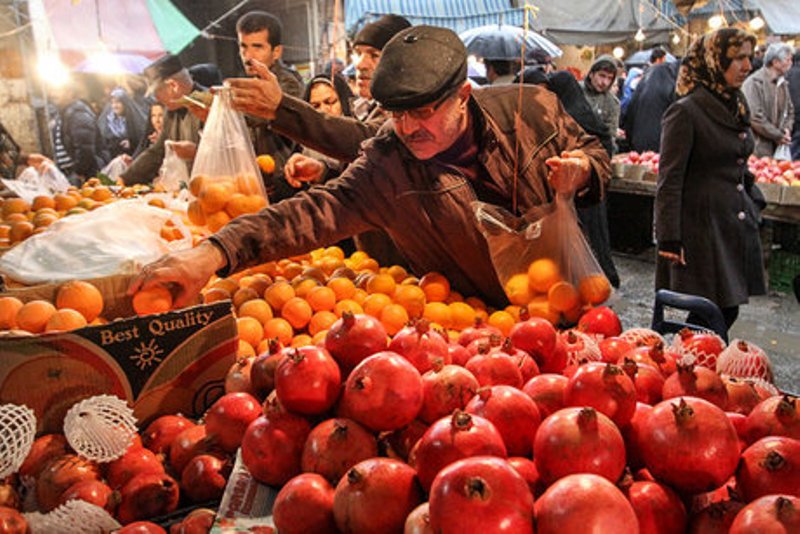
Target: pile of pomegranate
(648, 159)
(585, 430)
(771, 171)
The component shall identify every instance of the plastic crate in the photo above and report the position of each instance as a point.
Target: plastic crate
(783, 267)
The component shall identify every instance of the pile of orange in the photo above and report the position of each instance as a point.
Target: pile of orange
(218, 199)
(77, 304)
(544, 292)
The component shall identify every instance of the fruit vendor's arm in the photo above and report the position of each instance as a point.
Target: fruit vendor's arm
(759, 117)
(677, 138)
(318, 217)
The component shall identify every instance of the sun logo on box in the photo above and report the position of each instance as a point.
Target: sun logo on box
(147, 354)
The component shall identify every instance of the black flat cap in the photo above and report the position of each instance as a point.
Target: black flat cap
(419, 66)
(161, 69)
(377, 34)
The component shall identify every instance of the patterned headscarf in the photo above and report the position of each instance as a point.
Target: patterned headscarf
(705, 64)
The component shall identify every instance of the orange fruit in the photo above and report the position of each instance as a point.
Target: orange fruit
(334, 252)
(435, 286)
(439, 313)
(542, 274)
(342, 287)
(228, 284)
(33, 316)
(216, 221)
(20, 231)
(9, 306)
(101, 193)
(397, 272)
(242, 295)
(44, 219)
(571, 316)
(517, 289)
(5, 231)
(213, 197)
(476, 303)
(594, 289)
(278, 294)
(303, 286)
(248, 184)
(266, 163)
(297, 311)
(257, 309)
(369, 265)
(563, 296)
(155, 299)
(412, 298)
(301, 340)
(14, 205)
(322, 320)
(215, 294)
(195, 213)
(64, 320)
(462, 315)
(359, 295)
(514, 311)
(502, 320)
(454, 296)
(393, 317)
(381, 283)
(321, 298)
(196, 185)
(543, 310)
(82, 297)
(374, 303)
(347, 305)
(42, 201)
(16, 217)
(250, 330)
(245, 350)
(237, 205)
(279, 328)
(155, 202)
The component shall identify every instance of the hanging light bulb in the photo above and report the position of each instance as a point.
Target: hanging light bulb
(757, 23)
(639, 37)
(618, 52)
(716, 22)
(676, 39)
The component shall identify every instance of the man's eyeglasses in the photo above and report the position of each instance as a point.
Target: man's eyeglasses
(423, 113)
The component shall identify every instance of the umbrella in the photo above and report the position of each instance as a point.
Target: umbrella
(114, 63)
(504, 42)
(642, 57)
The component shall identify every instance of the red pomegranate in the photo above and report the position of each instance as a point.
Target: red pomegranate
(159, 435)
(613, 349)
(643, 337)
(12, 522)
(739, 423)
(336, 445)
(419, 520)
(459, 355)
(578, 440)
(43, 449)
(485, 344)
(273, 446)
(658, 509)
(631, 433)
(580, 347)
(648, 381)
(400, 442)
(525, 362)
(91, 491)
(716, 518)
(775, 416)
(696, 381)
(700, 348)
(204, 478)
(189, 443)
(479, 494)
(742, 395)
(227, 419)
(354, 337)
(198, 521)
(512, 412)
(420, 345)
(495, 368)
(262, 372)
(601, 322)
(604, 387)
(9, 497)
(689, 444)
(238, 377)
(305, 505)
(453, 438)
(307, 380)
(770, 466)
(477, 331)
(141, 527)
(584, 503)
(772, 513)
(58, 475)
(376, 496)
(383, 392)
(744, 360)
(147, 495)
(526, 468)
(547, 391)
(135, 461)
(537, 337)
(655, 356)
(444, 389)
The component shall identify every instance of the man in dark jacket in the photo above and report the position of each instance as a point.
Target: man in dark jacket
(793, 77)
(445, 147)
(168, 81)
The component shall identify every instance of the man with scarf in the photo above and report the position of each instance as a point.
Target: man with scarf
(706, 204)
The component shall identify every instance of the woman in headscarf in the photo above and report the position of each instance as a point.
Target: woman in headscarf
(706, 204)
(121, 124)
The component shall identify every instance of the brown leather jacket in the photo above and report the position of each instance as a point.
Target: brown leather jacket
(424, 205)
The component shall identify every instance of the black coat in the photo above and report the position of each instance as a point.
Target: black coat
(654, 94)
(82, 139)
(705, 203)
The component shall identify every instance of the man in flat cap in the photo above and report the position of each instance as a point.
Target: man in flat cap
(445, 147)
(168, 81)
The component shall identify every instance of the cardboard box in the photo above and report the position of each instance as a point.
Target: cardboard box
(246, 505)
(168, 363)
(790, 195)
(771, 192)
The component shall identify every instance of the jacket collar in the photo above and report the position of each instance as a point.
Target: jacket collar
(716, 109)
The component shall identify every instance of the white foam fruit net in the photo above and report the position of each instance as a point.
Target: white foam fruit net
(581, 347)
(100, 428)
(17, 430)
(72, 517)
(640, 337)
(688, 353)
(742, 359)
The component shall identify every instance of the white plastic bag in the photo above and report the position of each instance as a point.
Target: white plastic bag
(116, 167)
(783, 153)
(174, 173)
(47, 176)
(113, 239)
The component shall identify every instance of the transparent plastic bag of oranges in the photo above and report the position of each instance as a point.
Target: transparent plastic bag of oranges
(543, 260)
(225, 179)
